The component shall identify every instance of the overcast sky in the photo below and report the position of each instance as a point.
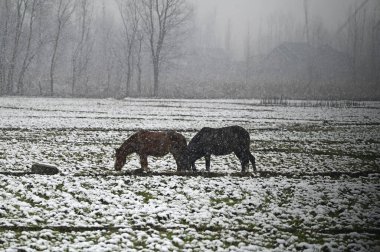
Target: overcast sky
(256, 11)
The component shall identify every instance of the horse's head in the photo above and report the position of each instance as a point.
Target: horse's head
(120, 159)
(182, 159)
(193, 153)
(183, 162)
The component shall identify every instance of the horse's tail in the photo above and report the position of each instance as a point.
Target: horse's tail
(253, 161)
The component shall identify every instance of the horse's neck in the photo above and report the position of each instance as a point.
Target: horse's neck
(127, 148)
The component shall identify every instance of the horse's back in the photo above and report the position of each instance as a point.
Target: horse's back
(227, 132)
(159, 143)
(220, 141)
(152, 143)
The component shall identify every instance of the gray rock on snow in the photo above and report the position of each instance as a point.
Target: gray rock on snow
(44, 169)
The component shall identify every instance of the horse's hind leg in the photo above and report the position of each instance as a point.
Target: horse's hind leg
(208, 162)
(253, 161)
(144, 162)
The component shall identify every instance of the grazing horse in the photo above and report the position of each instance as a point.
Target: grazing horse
(221, 141)
(147, 143)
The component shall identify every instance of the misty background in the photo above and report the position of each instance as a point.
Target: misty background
(300, 49)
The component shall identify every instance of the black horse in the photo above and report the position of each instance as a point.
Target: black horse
(221, 141)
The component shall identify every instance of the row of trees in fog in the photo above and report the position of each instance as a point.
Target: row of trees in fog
(75, 47)
(123, 48)
(357, 39)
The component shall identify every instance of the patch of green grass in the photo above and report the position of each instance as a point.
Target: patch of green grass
(204, 227)
(313, 213)
(184, 222)
(139, 244)
(227, 244)
(87, 185)
(324, 199)
(118, 192)
(43, 196)
(227, 201)
(146, 196)
(304, 236)
(166, 234)
(369, 141)
(335, 213)
(286, 196)
(23, 198)
(59, 187)
(295, 222)
(265, 203)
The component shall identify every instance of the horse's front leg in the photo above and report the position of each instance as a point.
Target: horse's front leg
(144, 163)
(207, 157)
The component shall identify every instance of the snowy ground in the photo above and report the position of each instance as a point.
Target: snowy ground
(80, 210)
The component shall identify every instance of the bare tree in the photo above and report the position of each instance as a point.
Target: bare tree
(162, 19)
(41, 56)
(140, 39)
(28, 54)
(310, 57)
(375, 46)
(354, 24)
(106, 51)
(130, 19)
(355, 39)
(307, 29)
(82, 52)
(4, 33)
(63, 14)
(21, 7)
(247, 54)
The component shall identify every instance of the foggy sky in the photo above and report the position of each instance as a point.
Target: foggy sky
(254, 14)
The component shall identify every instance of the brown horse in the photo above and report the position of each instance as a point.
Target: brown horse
(147, 143)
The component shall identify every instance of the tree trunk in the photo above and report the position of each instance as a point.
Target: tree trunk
(27, 58)
(73, 79)
(19, 24)
(52, 64)
(3, 89)
(138, 64)
(63, 15)
(129, 73)
(156, 72)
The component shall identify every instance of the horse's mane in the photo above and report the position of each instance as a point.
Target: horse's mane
(199, 135)
(131, 140)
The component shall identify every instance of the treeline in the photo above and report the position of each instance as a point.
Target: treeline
(78, 47)
(132, 48)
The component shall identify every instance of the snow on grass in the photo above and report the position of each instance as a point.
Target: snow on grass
(268, 213)
(78, 211)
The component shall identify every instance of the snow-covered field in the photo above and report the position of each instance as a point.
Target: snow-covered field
(90, 207)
